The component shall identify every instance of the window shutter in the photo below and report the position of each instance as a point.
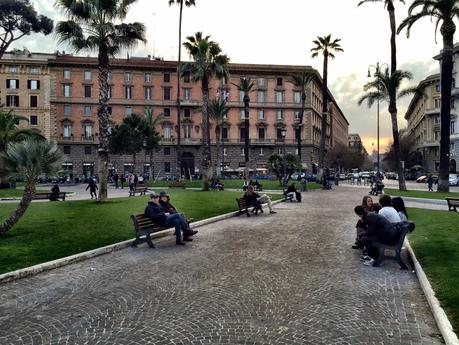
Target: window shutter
(29, 84)
(38, 84)
(17, 83)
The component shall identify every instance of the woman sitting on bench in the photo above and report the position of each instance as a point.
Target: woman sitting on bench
(254, 199)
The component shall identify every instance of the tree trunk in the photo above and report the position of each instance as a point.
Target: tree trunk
(206, 155)
(247, 133)
(447, 30)
(102, 114)
(324, 112)
(151, 164)
(133, 162)
(397, 151)
(179, 130)
(29, 191)
(300, 122)
(393, 30)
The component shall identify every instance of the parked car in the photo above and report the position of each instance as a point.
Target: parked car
(422, 179)
(453, 180)
(342, 176)
(364, 174)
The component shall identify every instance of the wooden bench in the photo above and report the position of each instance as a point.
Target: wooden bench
(453, 203)
(48, 196)
(143, 226)
(244, 207)
(140, 190)
(177, 184)
(404, 229)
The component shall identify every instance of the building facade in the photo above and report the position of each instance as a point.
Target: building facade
(423, 117)
(138, 84)
(355, 141)
(25, 89)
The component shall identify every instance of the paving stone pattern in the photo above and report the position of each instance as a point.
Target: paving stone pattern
(289, 278)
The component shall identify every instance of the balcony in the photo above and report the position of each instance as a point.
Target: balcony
(87, 138)
(190, 103)
(264, 142)
(168, 141)
(191, 141)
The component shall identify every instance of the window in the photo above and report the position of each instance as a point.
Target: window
(13, 69)
(12, 101)
(33, 84)
(109, 76)
(33, 120)
(241, 96)
(34, 70)
(261, 133)
(279, 96)
(186, 78)
(224, 133)
(148, 92)
(87, 110)
(87, 150)
(260, 152)
(437, 119)
(297, 97)
(242, 114)
(167, 93)
(279, 133)
(148, 77)
(437, 102)
(12, 84)
(66, 74)
(128, 76)
(167, 151)
(87, 130)
(167, 132)
(261, 82)
(451, 147)
(261, 97)
(187, 94)
(437, 87)
(242, 151)
(67, 90)
(127, 111)
(87, 75)
(67, 130)
(242, 132)
(225, 151)
(279, 114)
(67, 150)
(452, 128)
(261, 114)
(110, 92)
(436, 135)
(167, 167)
(187, 131)
(87, 91)
(33, 101)
(452, 104)
(67, 109)
(128, 92)
(186, 112)
(167, 77)
(279, 81)
(297, 115)
(109, 109)
(167, 112)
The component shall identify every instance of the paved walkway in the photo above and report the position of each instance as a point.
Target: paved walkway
(289, 278)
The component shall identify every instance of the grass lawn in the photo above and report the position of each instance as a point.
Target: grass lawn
(50, 231)
(267, 184)
(436, 244)
(420, 194)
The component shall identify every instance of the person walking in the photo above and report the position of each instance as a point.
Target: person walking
(430, 182)
(92, 186)
(116, 179)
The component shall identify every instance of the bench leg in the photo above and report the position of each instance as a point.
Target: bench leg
(247, 212)
(380, 258)
(400, 261)
(149, 241)
(137, 241)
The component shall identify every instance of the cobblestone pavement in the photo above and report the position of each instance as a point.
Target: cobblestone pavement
(288, 278)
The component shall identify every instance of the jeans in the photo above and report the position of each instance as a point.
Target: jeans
(179, 223)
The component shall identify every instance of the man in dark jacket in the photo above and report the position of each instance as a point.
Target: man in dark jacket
(156, 214)
(379, 229)
(92, 186)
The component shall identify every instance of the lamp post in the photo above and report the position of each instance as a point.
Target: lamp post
(283, 133)
(377, 70)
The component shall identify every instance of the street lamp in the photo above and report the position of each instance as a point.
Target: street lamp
(377, 70)
(283, 134)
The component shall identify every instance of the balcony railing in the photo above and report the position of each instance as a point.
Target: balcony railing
(89, 138)
(191, 141)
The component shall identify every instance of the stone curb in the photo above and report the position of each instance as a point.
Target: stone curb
(46, 266)
(439, 314)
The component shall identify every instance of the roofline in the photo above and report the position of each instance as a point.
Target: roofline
(423, 83)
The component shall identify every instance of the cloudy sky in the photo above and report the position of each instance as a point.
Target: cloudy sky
(273, 32)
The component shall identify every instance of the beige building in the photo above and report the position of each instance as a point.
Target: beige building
(423, 116)
(25, 89)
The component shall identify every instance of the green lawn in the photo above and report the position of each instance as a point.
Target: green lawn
(50, 231)
(420, 194)
(266, 184)
(436, 244)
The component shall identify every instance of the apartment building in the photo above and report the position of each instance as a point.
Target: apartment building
(25, 89)
(137, 84)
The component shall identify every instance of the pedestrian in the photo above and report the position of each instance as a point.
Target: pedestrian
(54, 193)
(136, 180)
(123, 180)
(430, 182)
(304, 183)
(92, 186)
(116, 179)
(130, 181)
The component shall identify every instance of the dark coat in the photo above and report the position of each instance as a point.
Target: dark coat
(251, 199)
(92, 186)
(380, 227)
(155, 213)
(168, 207)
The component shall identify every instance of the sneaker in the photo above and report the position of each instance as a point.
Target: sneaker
(355, 246)
(369, 262)
(272, 212)
(365, 258)
(179, 243)
(192, 232)
(187, 239)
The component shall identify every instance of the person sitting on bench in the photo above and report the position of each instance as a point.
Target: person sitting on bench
(156, 214)
(255, 199)
(164, 201)
(54, 193)
(387, 211)
(378, 229)
(293, 193)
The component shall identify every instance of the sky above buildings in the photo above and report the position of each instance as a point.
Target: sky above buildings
(272, 32)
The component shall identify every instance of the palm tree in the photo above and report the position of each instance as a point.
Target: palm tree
(153, 138)
(444, 11)
(98, 25)
(27, 159)
(218, 111)
(208, 62)
(300, 81)
(389, 5)
(180, 3)
(10, 132)
(386, 87)
(246, 86)
(328, 47)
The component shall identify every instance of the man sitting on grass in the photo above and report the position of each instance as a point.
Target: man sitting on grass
(156, 214)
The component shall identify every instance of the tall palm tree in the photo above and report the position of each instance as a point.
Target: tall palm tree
(10, 132)
(218, 111)
(300, 81)
(180, 3)
(99, 25)
(246, 86)
(444, 12)
(327, 46)
(208, 62)
(386, 87)
(152, 140)
(27, 159)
